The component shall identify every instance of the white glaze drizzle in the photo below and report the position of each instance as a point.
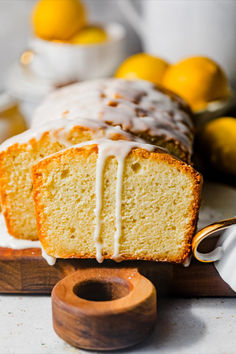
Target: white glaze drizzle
(8, 241)
(99, 186)
(118, 149)
(187, 261)
(138, 107)
(49, 259)
(59, 130)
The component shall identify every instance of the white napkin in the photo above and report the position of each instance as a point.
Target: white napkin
(226, 265)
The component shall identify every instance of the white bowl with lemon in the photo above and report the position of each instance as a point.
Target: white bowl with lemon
(65, 62)
(66, 47)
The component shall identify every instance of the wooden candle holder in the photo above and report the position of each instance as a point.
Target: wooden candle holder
(104, 309)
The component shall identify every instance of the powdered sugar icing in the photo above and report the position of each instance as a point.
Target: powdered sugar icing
(136, 106)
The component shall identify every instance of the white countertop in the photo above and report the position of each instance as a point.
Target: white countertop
(191, 326)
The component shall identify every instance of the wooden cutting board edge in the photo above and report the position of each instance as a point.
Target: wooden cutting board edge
(26, 272)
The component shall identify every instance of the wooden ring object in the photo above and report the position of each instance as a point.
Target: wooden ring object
(206, 232)
(104, 308)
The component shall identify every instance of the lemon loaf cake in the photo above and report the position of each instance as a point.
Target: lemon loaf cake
(138, 106)
(18, 154)
(118, 200)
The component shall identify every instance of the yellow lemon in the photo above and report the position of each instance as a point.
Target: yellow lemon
(198, 80)
(142, 66)
(58, 19)
(218, 139)
(90, 35)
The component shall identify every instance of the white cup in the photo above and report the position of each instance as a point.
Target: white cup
(224, 253)
(64, 62)
(175, 29)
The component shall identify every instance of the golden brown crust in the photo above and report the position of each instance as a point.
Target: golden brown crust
(86, 151)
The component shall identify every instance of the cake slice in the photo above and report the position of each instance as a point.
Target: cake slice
(116, 199)
(18, 154)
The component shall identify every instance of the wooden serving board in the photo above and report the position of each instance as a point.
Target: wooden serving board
(26, 272)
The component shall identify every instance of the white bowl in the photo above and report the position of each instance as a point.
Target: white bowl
(65, 62)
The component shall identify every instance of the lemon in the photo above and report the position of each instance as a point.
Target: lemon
(218, 139)
(142, 66)
(199, 80)
(90, 35)
(58, 19)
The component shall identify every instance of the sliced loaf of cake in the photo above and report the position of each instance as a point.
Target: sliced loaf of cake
(116, 199)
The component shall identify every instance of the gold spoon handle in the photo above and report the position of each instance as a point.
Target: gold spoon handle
(206, 232)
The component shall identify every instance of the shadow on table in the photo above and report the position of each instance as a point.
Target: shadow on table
(175, 328)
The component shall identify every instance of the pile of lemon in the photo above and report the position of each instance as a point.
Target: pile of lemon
(198, 80)
(65, 21)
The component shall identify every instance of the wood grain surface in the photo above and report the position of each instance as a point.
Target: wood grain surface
(25, 271)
